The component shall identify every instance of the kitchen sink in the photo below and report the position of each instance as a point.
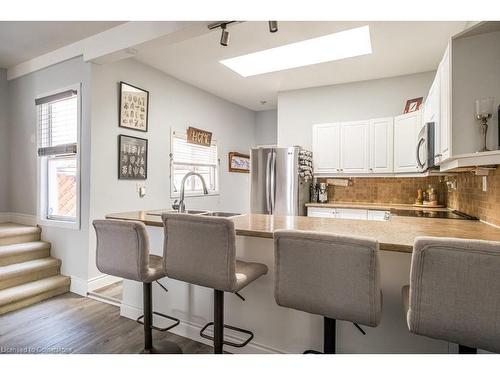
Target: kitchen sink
(192, 212)
(221, 214)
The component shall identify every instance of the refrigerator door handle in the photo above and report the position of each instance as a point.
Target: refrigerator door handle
(268, 182)
(273, 182)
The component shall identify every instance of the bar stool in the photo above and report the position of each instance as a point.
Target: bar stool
(201, 250)
(454, 292)
(337, 277)
(123, 251)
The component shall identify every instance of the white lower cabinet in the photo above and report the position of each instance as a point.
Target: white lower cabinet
(348, 213)
(406, 128)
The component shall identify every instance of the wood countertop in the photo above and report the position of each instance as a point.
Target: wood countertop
(396, 234)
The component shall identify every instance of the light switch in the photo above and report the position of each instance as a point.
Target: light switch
(485, 183)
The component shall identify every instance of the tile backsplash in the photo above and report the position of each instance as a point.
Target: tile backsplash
(470, 198)
(386, 190)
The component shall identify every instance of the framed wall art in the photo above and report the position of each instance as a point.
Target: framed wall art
(134, 104)
(239, 162)
(132, 158)
(413, 105)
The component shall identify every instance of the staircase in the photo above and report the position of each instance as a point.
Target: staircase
(28, 274)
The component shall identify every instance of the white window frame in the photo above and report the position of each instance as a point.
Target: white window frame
(42, 170)
(176, 194)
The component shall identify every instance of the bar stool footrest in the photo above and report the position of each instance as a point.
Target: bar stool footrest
(225, 342)
(176, 322)
(312, 351)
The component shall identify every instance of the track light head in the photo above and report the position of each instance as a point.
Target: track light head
(273, 26)
(224, 37)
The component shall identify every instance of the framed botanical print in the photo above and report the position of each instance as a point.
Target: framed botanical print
(239, 162)
(132, 158)
(134, 104)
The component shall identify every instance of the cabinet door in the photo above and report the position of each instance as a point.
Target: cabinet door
(321, 212)
(444, 134)
(352, 213)
(354, 147)
(381, 145)
(326, 148)
(405, 141)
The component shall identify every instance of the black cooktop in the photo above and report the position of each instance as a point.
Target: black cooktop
(433, 214)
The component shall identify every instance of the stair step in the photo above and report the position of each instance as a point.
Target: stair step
(25, 272)
(30, 293)
(11, 233)
(22, 252)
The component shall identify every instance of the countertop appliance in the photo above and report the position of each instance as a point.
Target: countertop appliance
(280, 179)
(425, 147)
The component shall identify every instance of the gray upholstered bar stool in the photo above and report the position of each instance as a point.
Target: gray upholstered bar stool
(337, 277)
(123, 251)
(201, 250)
(454, 292)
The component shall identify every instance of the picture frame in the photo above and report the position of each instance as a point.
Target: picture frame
(132, 158)
(413, 105)
(239, 163)
(133, 107)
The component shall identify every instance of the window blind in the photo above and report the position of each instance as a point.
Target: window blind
(191, 154)
(57, 124)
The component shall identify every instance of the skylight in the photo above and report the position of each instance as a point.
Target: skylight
(337, 46)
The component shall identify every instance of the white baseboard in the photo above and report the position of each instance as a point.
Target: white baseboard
(101, 281)
(18, 218)
(82, 287)
(79, 286)
(192, 331)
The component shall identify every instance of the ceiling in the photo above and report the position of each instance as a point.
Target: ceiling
(24, 40)
(399, 48)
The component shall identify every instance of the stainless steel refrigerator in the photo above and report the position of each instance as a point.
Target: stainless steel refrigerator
(280, 179)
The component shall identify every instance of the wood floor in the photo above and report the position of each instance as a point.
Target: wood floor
(114, 290)
(73, 324)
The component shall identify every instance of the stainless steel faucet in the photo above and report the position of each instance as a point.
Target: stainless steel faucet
(182, 206)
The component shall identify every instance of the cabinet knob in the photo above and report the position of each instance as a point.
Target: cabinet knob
(371, 169)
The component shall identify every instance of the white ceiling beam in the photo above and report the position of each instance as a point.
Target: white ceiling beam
(113, 44)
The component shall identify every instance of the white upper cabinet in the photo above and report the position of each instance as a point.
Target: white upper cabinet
(354, 147)
(406, 128)
(326, 148)
(443, 132)
(381, 145)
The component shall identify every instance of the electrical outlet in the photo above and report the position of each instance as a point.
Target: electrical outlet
(485, 183)
(141, 189)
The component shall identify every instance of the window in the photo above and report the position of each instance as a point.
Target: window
(187, 157)
(58, 153)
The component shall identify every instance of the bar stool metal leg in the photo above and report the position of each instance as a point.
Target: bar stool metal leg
(165, 347)
(218, 321)
(329, 333)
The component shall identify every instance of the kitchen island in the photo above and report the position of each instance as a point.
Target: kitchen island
(282, 330)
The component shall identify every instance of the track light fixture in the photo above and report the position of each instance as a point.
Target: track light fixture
(273, 26)
(224, 37)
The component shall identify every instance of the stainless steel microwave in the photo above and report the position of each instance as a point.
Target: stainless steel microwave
(425, 147)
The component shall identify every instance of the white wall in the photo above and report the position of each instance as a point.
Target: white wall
(266, 127)
(71, 246)
(298, 110)
(4, 144)
(173, 104)
(476, 74)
